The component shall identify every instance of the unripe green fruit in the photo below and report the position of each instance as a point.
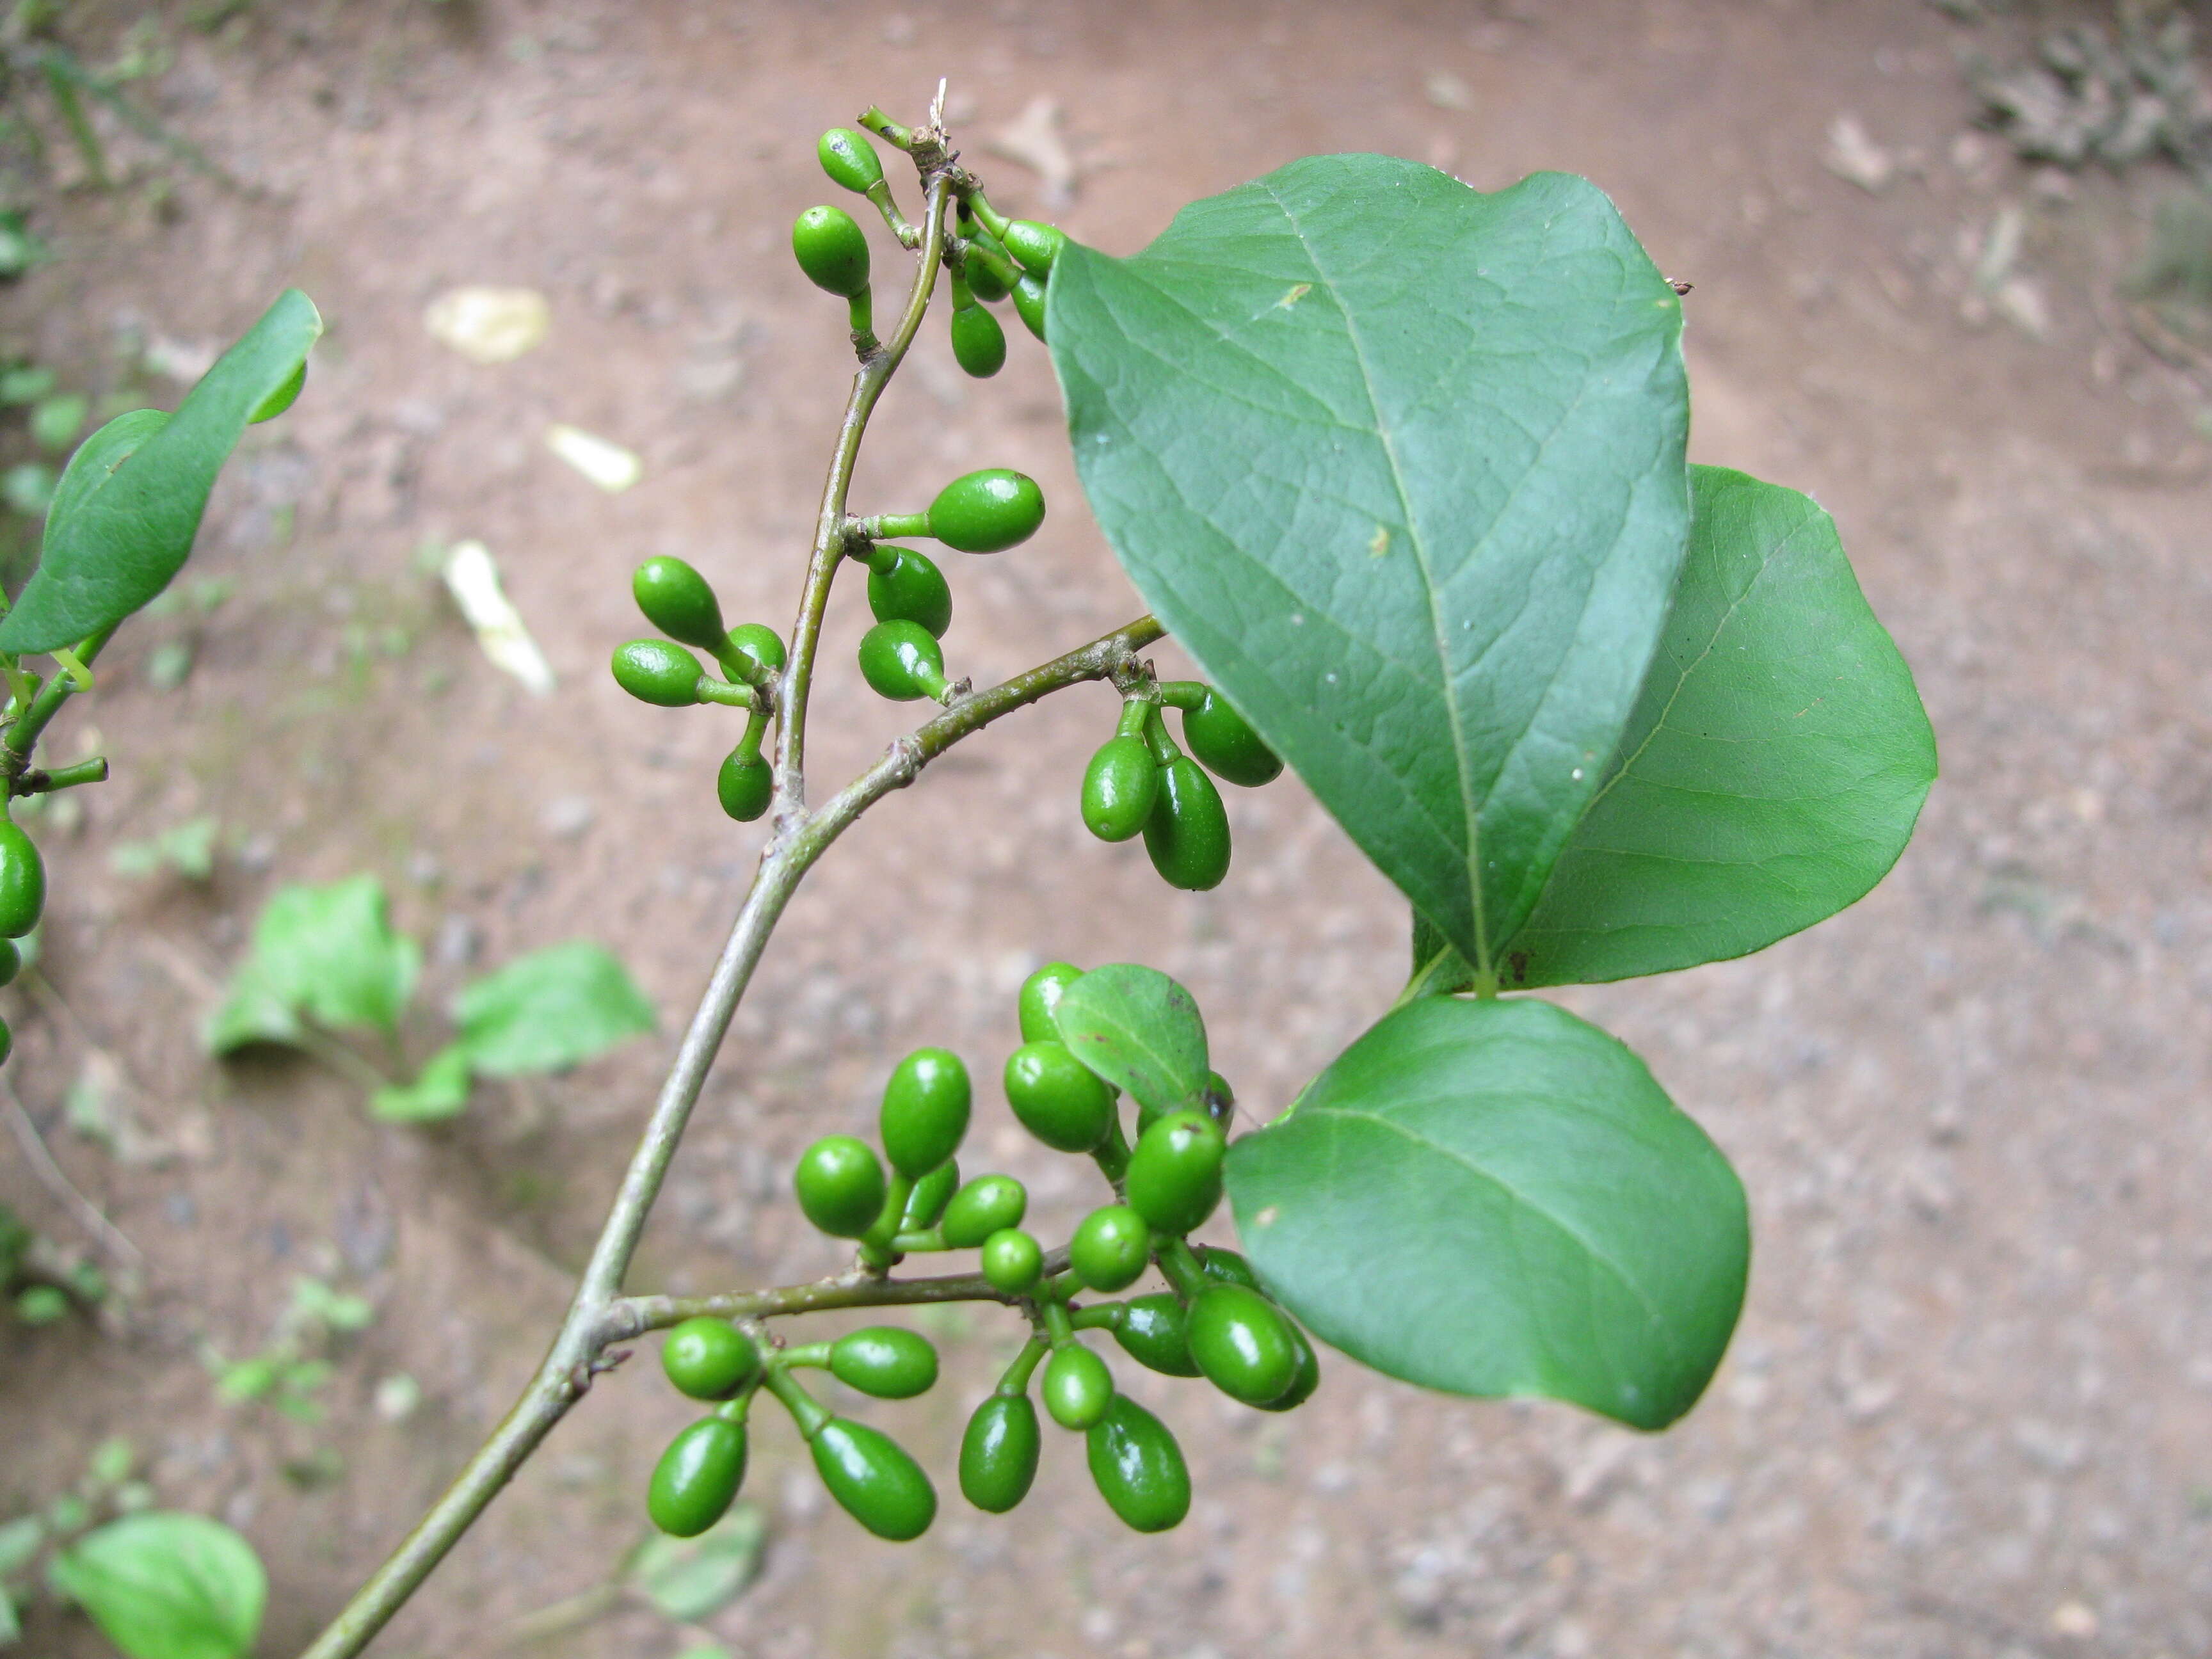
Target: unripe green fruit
(979, 344)
(885, 1361)
(999, 1452)
(6, 1042)
(849, 160)
(902, 661)
(11, 961)
(676, 601)
(1111, 1249)
(912, 590)
(1187, 834)
(983, 281)
(1221, 1098)
(655, 671)
(840, 1185)
(1217, 1262)
(709, 1358)
(697, 1477)
(1119, 789)
(745, 784)
(1243, 1344)
(1152, 1332)
(758, 641)
(1029, 304)
(1138, 1468)
(982, 1207)
(831, 250)
(925, 1111)
(1173, 1177)
(22, 881)
(871, 1476)
(282, 398)
(987, 512)
(1057, 1099)
(1306, 1379)
(1040, 996)
(1035, 245)
(1012, 1261)
(927, 1202)
(1225, 741)
(1076, 1387)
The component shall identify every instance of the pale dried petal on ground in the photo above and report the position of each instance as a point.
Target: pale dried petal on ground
(1853, 156)
(607, 464)
(473, 579)
(490, 324)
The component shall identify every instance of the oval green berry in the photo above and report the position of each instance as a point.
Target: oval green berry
(840, 1186)
(979, 344)
(1243, 1344)
(22, 881)
(1119, 789)
(925, 1111)
(984, 280)
(902, 661)
(927, 1202)
(1138, 1468)
(11, 961)
(1175, 1173)
(1306, 1379)
(987, 512)
(1187, 834)
(697, 1477)
(1153, 1333)
(849, 160)
(885, 1361)
(1224, 1265)
(871, 1474)
(745, 784)
(1076, 1387)
(831, 251)
(984, 1207)
(911, 588)
(6, 1042)
(758, 641)
(1111, 1248)
(1035, 245)
(1012, 1261)
(1029, 304)
(1040, 996)
(709, 1358)
(1057, 1098)
(655, 671)
(282, 398)
(676, 601)
(1225, 740)
(999, 1452)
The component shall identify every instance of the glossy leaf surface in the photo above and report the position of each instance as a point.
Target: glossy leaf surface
(1139, 1030)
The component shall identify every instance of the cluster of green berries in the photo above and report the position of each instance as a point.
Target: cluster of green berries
(1140, 782)
(22, 899)
(1213, 1322)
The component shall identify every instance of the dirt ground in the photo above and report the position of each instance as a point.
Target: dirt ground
(1969, 1411)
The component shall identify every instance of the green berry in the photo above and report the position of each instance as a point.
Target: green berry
(1040, 996)
(697, 1477)
(985, 1205)
(1226, 742)
(909, 587)
(745, 784)
(1306, 1379)
(925, 1111)
(654, 671)
(676, 601)
(984, 280)
(1242, 1343)
(927, 1202)
(709, 1358)
(758, 641)
(1012, 1261)
(1111, 1248)
(6, 1042)
(1076, 1387)
(849, 160)
(871, 1476)
(1035, 245)
(987, 512)
(1187, 834)
(885, 1361)
(282, 398)
(831, 251)
(1029, 303)
(1138, 1468)
(1119, 789)
(1057, 1098)
(1221, 1098)
(11, 961)
(979, 344)
(1175, 1173)
(999, 1452)
(902, 661)
(1226, 1266)
(22, 881)
(1152, 1332)
(840, 1186)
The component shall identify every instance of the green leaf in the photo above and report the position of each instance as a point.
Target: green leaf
(1493, 1198)
(1137, 1029)
(166, 1585)
(19, 1540)
(114, 543)
(553, 1008)
(1772, 773)
(439, 1092)
(326, 952)
(1401, 465)
(688, 1578)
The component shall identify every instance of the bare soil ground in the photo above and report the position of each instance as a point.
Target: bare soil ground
(1969, 1412)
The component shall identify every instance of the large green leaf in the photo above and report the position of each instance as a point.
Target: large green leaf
(1772, 773)
(553, 1008)
(1401, 464)
(166, 1585)
(1494, 1198)
(114, 539)
(328, 953)
(1139, 1030)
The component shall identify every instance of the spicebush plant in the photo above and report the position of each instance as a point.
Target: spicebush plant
(1401, 465)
